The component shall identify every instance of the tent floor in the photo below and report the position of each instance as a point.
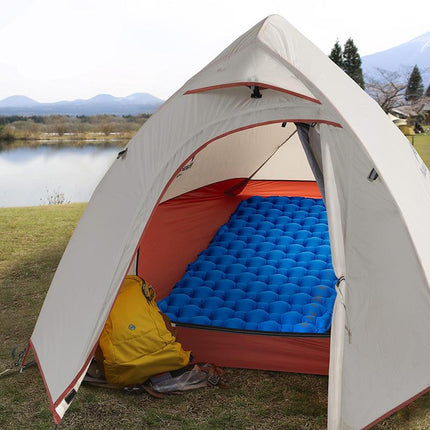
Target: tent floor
(265, 279)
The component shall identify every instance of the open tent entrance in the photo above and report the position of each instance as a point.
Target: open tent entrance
(238, 251)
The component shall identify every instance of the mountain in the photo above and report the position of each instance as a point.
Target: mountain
(401, 58)
(142, 98)
(18, 101)
(101, 104)
(102, 99)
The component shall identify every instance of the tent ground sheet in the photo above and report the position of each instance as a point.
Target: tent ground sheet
(268, 269)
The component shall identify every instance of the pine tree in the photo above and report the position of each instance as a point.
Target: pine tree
(415, 87)
(352, 62)
(427, 93)
(336, 54)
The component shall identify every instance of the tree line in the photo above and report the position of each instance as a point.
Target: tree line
(17, 127)
(390, 89)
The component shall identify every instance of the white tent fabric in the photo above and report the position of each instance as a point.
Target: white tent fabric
(272, 153)
(378, 228)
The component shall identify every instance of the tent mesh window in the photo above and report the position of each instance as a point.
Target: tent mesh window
(267, 269)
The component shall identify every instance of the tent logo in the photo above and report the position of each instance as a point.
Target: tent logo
(186, 167)
(132, 327)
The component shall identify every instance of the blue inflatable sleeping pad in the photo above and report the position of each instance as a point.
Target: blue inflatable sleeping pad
(267, 269)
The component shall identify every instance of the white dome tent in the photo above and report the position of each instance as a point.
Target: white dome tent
(376, 191)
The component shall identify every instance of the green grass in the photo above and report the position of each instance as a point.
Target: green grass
(32, 242)
(421, 143)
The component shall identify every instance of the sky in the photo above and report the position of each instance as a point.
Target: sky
(55, 50)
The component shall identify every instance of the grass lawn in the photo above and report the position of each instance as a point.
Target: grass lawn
(32, 242)
(421, 143)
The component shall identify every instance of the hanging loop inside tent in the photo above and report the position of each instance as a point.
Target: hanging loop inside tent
(255, 92)
(342, 300)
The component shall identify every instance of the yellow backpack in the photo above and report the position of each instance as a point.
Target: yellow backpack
(135, 341)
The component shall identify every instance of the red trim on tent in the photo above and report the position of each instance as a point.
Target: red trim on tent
(53, 405)
(56, 417)
(248, 84)
(75, 380)
(247, 127)
(401, 406)
(287, 354)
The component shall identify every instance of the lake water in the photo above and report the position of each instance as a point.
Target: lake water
(30, 176)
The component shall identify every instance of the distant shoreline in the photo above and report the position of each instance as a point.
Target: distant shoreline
(71, 139)
(74, 131)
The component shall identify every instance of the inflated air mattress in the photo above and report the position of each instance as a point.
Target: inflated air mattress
(267, 270)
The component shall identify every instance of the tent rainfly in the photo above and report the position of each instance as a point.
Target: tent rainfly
(222, 131)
